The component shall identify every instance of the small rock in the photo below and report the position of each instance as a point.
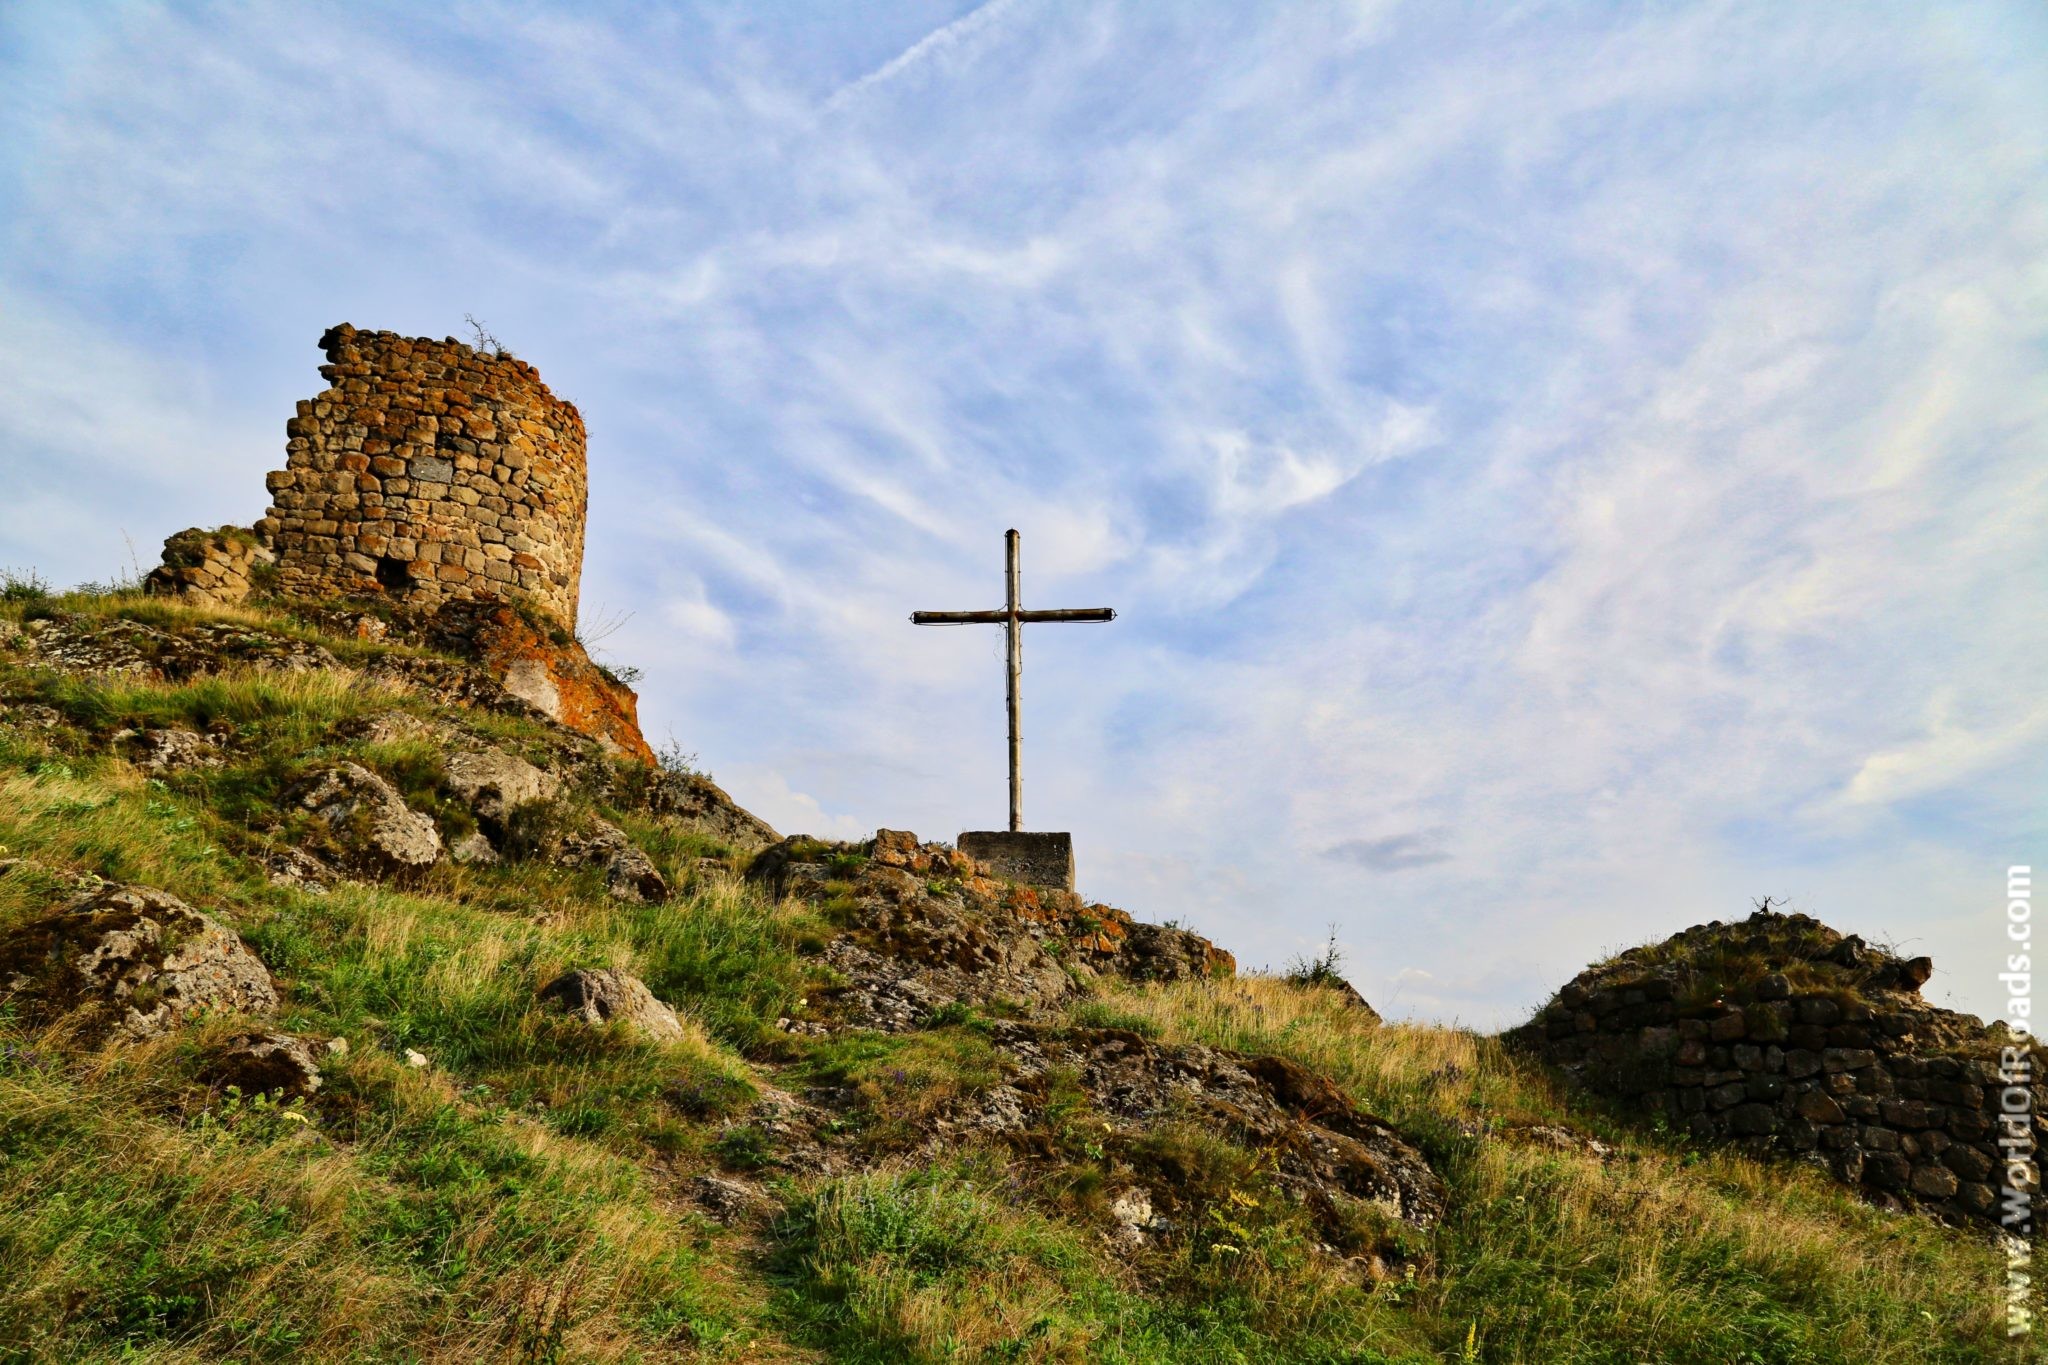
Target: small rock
(265, 1064)
(728, 1200)
(378, 832)
(165, 751)
(608, 996)
(336, 1047)
(473, 850)
(491, 782)
(297, 868)
(1563, 1139)
(416, 1060)
(1136, 1222)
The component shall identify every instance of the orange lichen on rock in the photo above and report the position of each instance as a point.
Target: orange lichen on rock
(547, 669)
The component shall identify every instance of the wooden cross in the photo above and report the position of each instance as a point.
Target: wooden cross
(1012, 618)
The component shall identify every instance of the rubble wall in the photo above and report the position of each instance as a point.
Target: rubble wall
(1782, 1037)
(430, 471)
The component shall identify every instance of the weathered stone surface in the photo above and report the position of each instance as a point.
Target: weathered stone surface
(373, 829)
(606, 996)
(184, 650)
(1326, 1151)
(297, 868)
(133, 962)
(473, 850)
(265, 1064)
(491, 782)
(728, 1200)
(542, 666)
(703, 804)
(1162, 952)
(1033, 857)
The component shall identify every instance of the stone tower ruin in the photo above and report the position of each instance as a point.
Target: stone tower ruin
(429, 471)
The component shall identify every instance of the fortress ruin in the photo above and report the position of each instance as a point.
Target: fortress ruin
(429, 472)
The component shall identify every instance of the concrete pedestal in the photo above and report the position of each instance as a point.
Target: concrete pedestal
(1031, 857)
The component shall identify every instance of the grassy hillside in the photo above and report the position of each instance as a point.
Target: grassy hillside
(531, 1191)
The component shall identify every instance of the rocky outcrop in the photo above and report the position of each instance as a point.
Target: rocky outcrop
(925, 926)
(542, 665)
(1326, 1151)
(129, 963)
(373, 832)
(210, 568)
(188, 649)
(1782, 1037)
(702, 804)
(613, 997)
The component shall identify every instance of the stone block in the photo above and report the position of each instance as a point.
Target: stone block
(1032, 857)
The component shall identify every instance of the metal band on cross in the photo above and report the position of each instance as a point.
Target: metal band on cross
(1012, 618)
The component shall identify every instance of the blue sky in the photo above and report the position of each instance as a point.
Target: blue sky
(1564, 471)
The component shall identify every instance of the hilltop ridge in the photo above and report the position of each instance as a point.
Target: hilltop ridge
(352, 1007)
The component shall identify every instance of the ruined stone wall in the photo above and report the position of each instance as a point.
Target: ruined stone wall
(213, 568)
(1782, 1037)
(430, 471)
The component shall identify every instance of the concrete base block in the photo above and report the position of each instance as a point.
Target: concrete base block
(1037, 859)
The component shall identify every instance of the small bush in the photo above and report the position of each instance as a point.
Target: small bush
(1319, 969)
(23, 585)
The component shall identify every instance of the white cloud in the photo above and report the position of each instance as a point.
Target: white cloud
(1945, 755)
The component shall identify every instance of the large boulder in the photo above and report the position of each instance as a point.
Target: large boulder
(374, 831)
(131, 963)
(606, 996)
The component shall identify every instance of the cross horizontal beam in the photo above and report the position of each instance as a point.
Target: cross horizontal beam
(998, 618)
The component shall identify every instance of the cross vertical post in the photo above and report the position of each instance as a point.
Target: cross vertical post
(1014, 628)
(1012, 618)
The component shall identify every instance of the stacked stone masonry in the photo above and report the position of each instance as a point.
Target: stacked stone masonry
(1846, 1068)
(429, 472)
(215, 568)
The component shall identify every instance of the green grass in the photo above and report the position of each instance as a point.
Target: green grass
(952, 1263)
